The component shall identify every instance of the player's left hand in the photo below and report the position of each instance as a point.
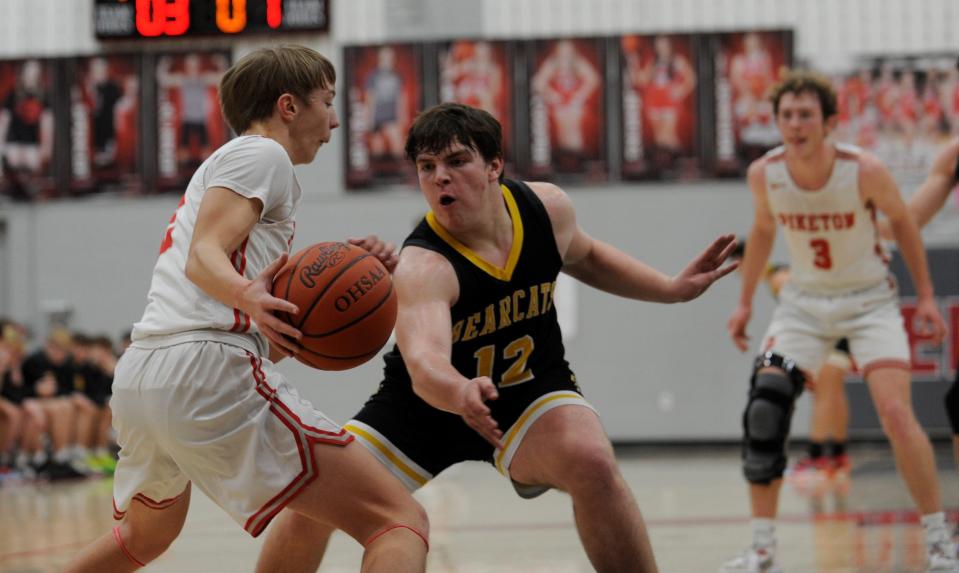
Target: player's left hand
(384, 251)
(705, 269)
(930, 322)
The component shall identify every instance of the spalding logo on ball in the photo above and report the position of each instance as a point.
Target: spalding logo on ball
(347, 304)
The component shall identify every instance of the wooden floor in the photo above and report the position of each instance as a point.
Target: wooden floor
(694, 501)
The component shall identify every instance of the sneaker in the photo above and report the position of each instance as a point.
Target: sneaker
(104, 464)
(56, 471)
(752, 560)
(839, 465)
(941, 556)
(809, 474)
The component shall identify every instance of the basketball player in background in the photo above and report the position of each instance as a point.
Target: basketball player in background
(923, 205)
(826, 461)
(566, 80)
(825, 195)
(196, 398)
(479, 372)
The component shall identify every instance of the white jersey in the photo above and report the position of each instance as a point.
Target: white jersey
(254, 167)
(831, 232)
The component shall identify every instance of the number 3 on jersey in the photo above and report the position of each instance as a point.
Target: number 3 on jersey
(821, 258)
(519, 351)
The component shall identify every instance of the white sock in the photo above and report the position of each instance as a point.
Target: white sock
(62, 456)
(764, 533)
(935, 527)
(39, 458)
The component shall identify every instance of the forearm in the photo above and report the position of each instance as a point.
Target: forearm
(437, 382)
(210, 269)
(608, 269)
(753, 266)
(914, 255)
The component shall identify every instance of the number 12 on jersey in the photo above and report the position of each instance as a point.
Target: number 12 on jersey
(518, 351)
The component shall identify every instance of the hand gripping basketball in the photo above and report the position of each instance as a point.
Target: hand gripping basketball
(347, 304)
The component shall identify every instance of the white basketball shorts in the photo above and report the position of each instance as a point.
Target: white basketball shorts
(806, 326)
(217, 415)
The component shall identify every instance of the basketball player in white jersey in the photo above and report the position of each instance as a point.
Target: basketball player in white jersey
(928, 200)
(825, 197)
(196, 398)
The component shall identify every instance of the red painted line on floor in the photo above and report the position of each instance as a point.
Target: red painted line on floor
(862, 518)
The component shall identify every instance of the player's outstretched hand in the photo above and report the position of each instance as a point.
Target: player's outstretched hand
(256, 300)
(705, 269)
(476, 413)
(930, 321)
(737, 327)
(384, 251)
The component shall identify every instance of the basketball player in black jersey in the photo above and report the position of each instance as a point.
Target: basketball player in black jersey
(479, 371)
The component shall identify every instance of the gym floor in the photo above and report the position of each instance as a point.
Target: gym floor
(693, 498)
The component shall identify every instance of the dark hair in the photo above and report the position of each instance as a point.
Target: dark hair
(250, 88)
(806, 81)
(438, 128)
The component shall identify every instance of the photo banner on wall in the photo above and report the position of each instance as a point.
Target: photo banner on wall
(385, 93)
(659, 106)
(479, 73)
(747, 65)
(189, 123)
(566, 109)
(104, 124)
(27, 128)
(901, 109)
(904, 110)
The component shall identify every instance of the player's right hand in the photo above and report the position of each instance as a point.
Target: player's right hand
(476, 413)
(737, 327)
(256, 300)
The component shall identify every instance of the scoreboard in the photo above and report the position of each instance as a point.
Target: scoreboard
(128, 19)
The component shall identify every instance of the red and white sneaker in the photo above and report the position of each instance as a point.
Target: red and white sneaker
(752, 560)
(809, 475)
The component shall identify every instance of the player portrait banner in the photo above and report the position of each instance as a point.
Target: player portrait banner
(566, 109)
(384, 95)
(189, 123)
(27, 128)
(104, 124)
(747, 65)
(901, 109)
(659, 107)
(479, 73)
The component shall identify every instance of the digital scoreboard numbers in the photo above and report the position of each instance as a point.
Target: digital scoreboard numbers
(127, 19)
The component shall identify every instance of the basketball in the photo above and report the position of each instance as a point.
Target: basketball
(346, 300)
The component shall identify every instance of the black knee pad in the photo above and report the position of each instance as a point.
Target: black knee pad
(772, 398)
(952, 405)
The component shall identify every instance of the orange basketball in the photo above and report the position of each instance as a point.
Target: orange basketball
(346, 300)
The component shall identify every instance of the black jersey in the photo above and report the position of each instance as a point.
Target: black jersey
(504, 321)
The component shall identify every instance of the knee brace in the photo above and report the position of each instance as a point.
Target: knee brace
(952, 405)
(772, 397)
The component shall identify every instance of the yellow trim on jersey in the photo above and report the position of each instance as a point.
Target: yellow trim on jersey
(518, 426)
(400, 464)
(505, 273)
